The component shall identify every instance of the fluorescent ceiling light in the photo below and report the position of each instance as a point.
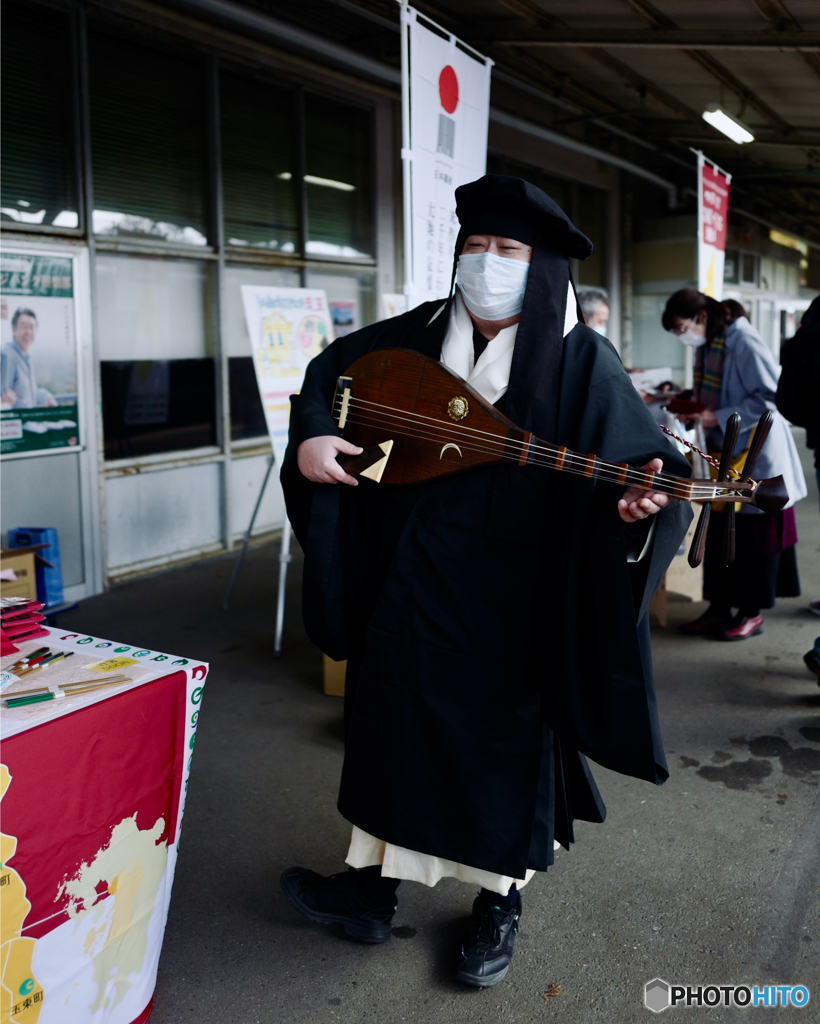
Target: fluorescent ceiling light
(311, 179)
(342, 186)
(789, 241)
(734, 129)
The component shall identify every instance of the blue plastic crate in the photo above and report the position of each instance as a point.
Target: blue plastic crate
(49, 581)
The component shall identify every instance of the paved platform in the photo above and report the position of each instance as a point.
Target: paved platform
(712, 878)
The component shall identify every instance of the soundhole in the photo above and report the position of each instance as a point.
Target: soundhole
(458, 408)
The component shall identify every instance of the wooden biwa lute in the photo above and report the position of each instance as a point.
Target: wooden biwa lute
(418, 421)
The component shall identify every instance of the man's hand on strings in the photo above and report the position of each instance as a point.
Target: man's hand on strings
(638, 502)
(316, 459)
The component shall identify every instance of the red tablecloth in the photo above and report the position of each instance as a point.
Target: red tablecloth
(91, 810)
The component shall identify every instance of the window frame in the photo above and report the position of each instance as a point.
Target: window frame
(76, 50)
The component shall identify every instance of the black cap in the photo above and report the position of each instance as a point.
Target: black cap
(498, 204)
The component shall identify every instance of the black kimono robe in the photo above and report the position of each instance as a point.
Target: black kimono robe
(494, 629)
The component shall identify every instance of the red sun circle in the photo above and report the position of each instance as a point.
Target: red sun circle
(448, 89)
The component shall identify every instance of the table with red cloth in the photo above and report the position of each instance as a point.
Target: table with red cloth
(93, 791)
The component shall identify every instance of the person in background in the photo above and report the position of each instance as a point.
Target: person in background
(798, 398)
(736, 372)
(595, 307)
(733, 310)
(812, 659)
(19, 382)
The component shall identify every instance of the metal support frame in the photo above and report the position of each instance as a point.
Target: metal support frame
(285, 558)
(217, 292)
(406, 157)
(246, 539)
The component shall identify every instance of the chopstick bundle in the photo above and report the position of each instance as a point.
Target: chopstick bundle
(45, 661)
(22, 697)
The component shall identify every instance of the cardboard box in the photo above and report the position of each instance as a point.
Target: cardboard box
(24, 562)
(334, 674)
(49, 572)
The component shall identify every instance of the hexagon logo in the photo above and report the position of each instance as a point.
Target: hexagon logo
(656, 995)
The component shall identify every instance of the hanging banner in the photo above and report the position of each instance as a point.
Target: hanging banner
(445, 116)
(713, 216)
(287, 328)
(38, 353)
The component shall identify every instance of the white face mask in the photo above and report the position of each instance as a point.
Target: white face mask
(600, 328)
(492, 286)
(690, 338)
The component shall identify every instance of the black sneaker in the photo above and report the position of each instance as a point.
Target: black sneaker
(487, 952)
(812, 662)
(338, 900)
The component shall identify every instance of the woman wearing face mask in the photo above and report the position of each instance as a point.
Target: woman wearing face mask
(736, 372)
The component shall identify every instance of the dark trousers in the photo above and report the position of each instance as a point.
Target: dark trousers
(758, 575)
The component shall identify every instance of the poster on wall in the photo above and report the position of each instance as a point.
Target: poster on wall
(394, 303)
(345, 316)
(38, 354)
(287, 328)
(713, 216)
(447, 86)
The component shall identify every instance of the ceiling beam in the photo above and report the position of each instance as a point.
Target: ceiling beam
(798, 142)
(731, 81)
(781, 18)
(661, 23)
(663, 39)
(643, 85)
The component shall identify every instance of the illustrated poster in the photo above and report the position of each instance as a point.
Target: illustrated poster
(287, 328)
(38, 353)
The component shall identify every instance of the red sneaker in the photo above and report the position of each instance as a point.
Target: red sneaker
(743, 628)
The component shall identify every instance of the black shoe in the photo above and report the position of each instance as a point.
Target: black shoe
(338, 900)
(488, 949)
(812, 661)
(707, 624)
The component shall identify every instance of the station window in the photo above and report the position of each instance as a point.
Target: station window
(148, 141)
(156, 355)
(338, 178)
(39, 185)
(259, 182)
(591, 219)
(749, 268)
(731, 267)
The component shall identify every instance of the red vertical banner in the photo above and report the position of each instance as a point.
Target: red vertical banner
(714, 187)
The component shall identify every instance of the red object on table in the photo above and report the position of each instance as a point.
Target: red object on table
(15, 611)
(6, 646)
(23, 623)
(685, 407)
(30, 632)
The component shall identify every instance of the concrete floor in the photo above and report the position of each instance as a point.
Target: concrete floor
(712, 878)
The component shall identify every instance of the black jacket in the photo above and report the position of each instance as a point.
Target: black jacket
(494, 628)
(798, 392)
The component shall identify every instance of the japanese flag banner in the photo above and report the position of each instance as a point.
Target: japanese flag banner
(713, 215)
(445, 116)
